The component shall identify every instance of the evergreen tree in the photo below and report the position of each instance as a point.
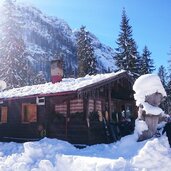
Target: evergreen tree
(14, 66)
(40, 78)
(85, 54)
(167, 102)
(126, 52)
(168, 88)
(169, 68)
(147, 62)
(139, 65)
(163, 75)
(167, 85)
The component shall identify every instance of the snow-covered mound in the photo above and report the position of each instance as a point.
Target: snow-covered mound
(56, 155)
(67, 84)
(146, 85)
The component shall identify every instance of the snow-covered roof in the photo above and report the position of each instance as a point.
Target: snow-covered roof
(66, 85)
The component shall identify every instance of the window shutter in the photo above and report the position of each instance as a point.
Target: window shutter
(32, 110)
(4, 111)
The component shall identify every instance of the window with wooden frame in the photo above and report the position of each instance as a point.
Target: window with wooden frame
(3, 114)
(29, 113)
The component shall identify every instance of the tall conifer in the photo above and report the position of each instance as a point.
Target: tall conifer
(87, 63)
(126, 52)
(163, 75)
(147, 62)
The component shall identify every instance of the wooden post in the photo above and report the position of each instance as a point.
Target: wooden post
(67, 118)
(109, 101)
(86, 117)
(87, 113)
(84, 108)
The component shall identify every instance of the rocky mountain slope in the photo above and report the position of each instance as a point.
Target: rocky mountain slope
(48, 38)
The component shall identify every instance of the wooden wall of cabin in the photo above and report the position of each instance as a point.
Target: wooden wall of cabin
(56, 123)
(66, 119)
(69, 119)
(113, 98)
(15, 128)
(117, 96)
(80, 119)
(84, 125)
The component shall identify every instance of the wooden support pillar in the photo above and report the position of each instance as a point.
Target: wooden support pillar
(94, 105)
(67, 118)
(109, 101)
(86, 117)
(86, 110)
(84, 107)
(68, 110)
(88, 114)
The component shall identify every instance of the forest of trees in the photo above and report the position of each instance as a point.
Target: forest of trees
(128, 58)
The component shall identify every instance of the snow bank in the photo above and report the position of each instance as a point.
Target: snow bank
(52, 155)
(155, 155)
(146, 85)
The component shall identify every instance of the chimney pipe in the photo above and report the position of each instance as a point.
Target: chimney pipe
(56, 71)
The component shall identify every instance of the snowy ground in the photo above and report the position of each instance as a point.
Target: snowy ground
(52, 154)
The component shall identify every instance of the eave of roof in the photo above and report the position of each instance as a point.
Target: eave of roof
(40, 95)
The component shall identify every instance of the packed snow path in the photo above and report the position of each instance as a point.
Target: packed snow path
(56, 155)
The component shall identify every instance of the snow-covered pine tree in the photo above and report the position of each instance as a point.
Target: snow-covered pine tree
(163, 75)
(139, 65)
(147, 62)
(126, 52)
(85, 54)
(81, 51)
(14, 66)
(168, 89)
(135, 61)
(40, 78)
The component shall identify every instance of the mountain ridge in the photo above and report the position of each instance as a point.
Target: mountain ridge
(48, 37)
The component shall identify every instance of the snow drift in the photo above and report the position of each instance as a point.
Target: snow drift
(53, 154)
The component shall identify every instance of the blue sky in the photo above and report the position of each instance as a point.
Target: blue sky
(150, 20)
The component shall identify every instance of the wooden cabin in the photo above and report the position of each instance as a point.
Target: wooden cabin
(79, 111)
